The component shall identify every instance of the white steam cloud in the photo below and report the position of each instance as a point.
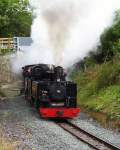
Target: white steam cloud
(64, 31)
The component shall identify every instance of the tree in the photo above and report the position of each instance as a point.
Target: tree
(15, 18)
(110, 40)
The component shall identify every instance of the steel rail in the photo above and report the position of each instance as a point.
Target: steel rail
(87, 137)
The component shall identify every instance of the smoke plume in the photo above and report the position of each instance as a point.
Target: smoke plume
(64, 31)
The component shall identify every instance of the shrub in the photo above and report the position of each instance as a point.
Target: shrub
(5, 51)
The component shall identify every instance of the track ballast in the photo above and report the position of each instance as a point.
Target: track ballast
(87, 137)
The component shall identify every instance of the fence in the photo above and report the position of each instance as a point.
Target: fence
(6, 43)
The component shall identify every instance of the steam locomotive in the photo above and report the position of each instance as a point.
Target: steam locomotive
(46, 88)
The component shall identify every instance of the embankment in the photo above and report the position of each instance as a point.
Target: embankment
(99, 89)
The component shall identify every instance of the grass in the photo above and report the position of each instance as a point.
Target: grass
(106, 100)
(5, 51)
(99, 88)
(5, 145)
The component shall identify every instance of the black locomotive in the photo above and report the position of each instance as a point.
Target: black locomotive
(46, 88)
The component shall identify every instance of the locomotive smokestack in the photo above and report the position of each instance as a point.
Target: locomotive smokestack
(59, 74)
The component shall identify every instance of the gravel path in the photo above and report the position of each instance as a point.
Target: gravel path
(90, 125)
(22, 126)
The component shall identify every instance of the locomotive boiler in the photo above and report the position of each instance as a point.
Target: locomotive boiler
(46, 88)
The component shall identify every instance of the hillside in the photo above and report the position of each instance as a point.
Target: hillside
(99, 88)
(98, 75)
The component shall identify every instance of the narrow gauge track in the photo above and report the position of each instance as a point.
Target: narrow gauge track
(88, 138)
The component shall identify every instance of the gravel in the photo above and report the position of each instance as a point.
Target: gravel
(22, 126)
(93, 127)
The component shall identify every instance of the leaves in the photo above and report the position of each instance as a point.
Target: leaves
(99, 87)
(110, 40)
(15, 19)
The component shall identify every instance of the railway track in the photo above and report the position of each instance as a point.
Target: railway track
(88, 138)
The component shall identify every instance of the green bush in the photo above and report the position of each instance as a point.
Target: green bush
(110, 40)
(99, 88)
(107, 75)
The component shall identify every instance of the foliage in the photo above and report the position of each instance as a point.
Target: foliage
(110, 40)
(107, 101)
(15, 18)
(99, 87)
(98, 75)
(5, 51)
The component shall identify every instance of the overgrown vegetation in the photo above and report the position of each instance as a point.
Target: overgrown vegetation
(98, 75)
(5, 51)
(15, 18)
